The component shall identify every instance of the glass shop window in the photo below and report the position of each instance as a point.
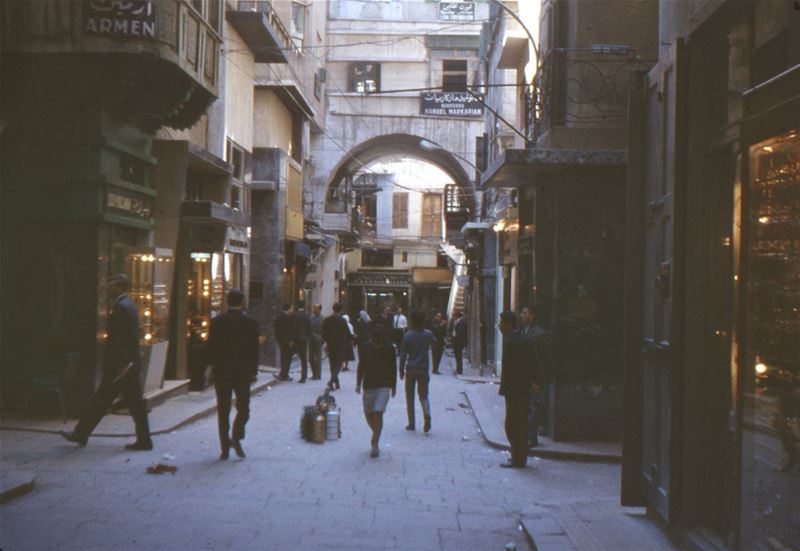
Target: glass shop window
(454, 75)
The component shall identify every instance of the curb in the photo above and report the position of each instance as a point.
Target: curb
(23, 484)
(191, 419)
(540, 452)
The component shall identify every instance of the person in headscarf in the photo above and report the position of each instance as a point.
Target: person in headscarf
(349, 355)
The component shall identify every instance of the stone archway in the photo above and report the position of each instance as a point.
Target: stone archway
(395, 145)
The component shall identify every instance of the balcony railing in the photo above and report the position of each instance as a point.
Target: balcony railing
(582, 88)
(261, 6)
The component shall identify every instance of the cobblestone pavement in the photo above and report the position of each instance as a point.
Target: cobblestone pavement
(442, 491)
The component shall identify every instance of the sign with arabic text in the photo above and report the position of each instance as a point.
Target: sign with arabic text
(450, 104)
(135, 18)
(456, 11)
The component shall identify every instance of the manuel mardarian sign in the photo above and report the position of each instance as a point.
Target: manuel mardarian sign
(135, 18)
(450, 104)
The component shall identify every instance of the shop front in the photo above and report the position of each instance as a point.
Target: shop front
(375, 291)
(768, 322)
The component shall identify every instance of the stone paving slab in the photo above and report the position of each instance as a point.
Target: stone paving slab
(166, 417)
(489, 409)
(597, 525)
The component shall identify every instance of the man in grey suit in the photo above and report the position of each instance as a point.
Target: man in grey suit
(301, 332)
(121, 366)
(315, 342)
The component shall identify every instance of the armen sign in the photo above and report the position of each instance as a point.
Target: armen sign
(121, 17)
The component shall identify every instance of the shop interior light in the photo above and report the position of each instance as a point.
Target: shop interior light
(767, 148)
(761, 368)
(148, 337)
(499, 226)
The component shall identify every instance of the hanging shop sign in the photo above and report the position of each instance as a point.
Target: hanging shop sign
(379, 279)
(456, 11)
(237, 240)
(136, 18)
(450, 104)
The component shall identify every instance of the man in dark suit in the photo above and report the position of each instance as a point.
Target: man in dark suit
(458, 334)
(516, 378)
(337, 339)
(439, 330)
(301, 332)
(122, 364)
(537, 408)
(283, 336)
(233, 349)
(315, 342)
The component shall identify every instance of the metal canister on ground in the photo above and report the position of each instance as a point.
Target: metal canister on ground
(332, 432)
(319, 429)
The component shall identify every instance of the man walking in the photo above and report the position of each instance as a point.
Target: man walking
(233, 349)
(283, 336)
(458, 333)
(439, 330)
(122, 364)
(515, 386)
(535, 334)
(301, 332)
(399, 326)
(315, 342)
(414, 367)
(337, 339)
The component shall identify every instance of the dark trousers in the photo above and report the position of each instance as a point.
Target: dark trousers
(286, 359)
(131, 391)
(438, 350)
(421, 379)
(225, 387)
(397, 336)
(315, 358)
(301, 349)
(517, 427)
(335, 361)
(458, 351)
(534, 406)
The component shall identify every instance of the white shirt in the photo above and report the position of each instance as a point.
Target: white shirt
(400, 321)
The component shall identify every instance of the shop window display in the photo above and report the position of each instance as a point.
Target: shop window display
(771, 400)
(150, 273)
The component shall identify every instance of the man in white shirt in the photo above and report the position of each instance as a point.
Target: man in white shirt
(399, 326)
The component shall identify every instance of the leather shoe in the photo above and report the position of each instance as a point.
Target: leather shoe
(237, 447)
(139, 446)
(225, 454)
(427, 424)
(509, 465)
(71, 436)
(410, 427)
(301, 381)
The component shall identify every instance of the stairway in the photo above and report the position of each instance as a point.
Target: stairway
(456, 300)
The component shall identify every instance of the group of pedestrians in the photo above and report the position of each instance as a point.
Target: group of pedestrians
(233, 351)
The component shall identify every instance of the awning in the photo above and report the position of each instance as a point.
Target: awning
(475, 227)
(516, 167)
(291, 94)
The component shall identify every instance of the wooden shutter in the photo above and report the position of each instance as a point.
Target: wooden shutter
(400, 211)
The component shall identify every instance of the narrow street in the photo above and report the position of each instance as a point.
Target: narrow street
(442, 491)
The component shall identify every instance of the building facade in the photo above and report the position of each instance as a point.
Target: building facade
(712, 352)
(85, 90)
(398, 74)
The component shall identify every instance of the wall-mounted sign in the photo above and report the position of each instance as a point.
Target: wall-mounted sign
(140, 207)
(450, 104)
(379, 279)
(121, 17)
(456, 11)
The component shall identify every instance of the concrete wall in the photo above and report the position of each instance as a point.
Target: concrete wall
(272, 126)
(239, 69)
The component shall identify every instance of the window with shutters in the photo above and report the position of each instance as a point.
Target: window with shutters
(400, 211)
(454, 75)
(432, 215)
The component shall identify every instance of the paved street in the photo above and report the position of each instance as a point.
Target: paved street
(443, 491)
